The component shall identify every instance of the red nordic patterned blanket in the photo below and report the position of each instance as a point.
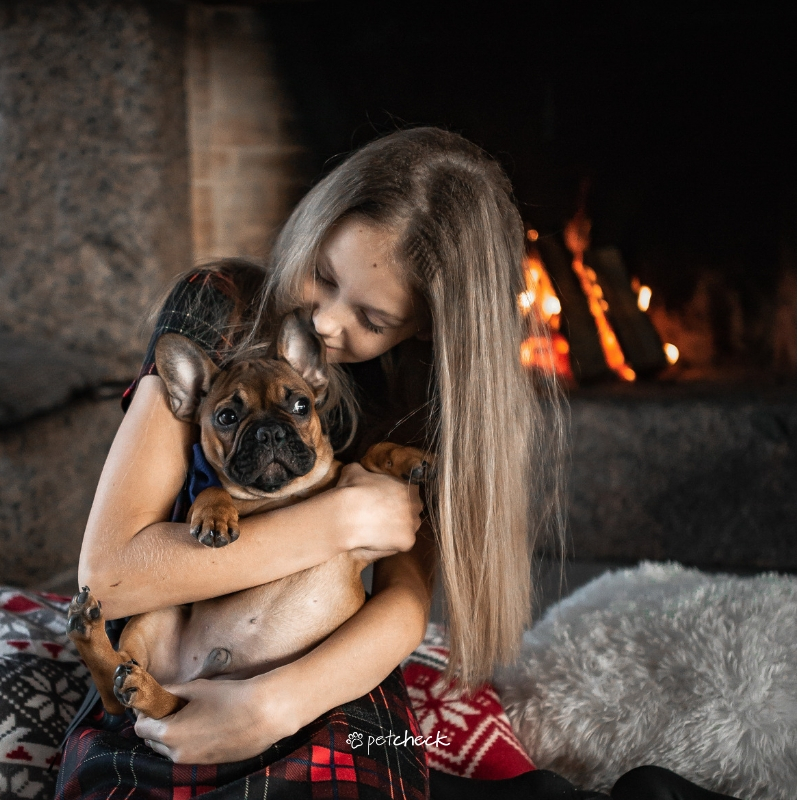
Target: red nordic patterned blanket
(466, 736)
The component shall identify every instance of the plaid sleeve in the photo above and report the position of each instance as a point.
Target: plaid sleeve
(198, 307)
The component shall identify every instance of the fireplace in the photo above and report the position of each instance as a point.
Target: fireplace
(143, 138)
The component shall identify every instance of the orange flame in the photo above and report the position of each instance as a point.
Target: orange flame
(576, 237)
(540, 297)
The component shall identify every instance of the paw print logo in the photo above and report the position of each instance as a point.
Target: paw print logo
(354, 739)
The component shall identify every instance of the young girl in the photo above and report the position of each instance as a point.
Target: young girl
(408, 259)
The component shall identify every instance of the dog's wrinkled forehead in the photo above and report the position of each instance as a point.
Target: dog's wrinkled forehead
(259, 383)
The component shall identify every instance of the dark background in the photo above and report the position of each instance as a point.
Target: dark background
(680, 115)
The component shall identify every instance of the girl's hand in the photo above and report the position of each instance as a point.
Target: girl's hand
(381, 514)
(223, 721)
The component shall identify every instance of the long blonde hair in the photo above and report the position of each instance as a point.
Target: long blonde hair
(497, 430)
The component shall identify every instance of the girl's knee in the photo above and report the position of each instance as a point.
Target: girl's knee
(645, 783)
(657, 783)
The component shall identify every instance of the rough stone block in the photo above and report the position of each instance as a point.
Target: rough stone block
(94, 210)
(49, 468)
(706, 478)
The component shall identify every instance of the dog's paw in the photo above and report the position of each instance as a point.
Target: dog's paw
(128, 679)
(215, 530)
(407, 463)
(213, 518)
(84, 615)
(134, 687)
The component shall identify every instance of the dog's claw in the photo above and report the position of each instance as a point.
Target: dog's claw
(75, 623)
(212, 537)
(84, 614)
(419, 473)
(123, 693)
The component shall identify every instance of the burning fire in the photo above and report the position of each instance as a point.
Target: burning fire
(672, 353)
(643, 294)
(539, 295)
(576, 236)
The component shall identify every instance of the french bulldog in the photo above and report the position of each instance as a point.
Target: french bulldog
(262, 434)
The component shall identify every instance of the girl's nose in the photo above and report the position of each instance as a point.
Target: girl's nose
(327, 320)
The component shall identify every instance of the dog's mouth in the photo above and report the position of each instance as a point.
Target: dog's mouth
(275, 477)
(269, 456)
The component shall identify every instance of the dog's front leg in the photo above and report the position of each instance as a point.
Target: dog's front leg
(213, 518)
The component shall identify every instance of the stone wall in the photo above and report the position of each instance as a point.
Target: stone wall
(94, 223)
(704, 476)
(94, 216)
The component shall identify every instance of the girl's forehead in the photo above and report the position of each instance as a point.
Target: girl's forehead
(360, 256)
(362, 239)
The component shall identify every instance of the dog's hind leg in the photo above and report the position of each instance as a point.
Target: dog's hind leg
(133, 686)
(86, 629)
(120, 675)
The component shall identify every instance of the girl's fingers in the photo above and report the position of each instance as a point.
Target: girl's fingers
(158, 747)
(150, 729)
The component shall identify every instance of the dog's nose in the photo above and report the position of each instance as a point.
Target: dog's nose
(271, 433)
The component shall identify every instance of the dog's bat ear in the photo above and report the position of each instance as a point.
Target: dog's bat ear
(187, 372)
(299, 345)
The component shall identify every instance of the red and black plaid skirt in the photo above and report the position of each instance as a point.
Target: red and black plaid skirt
(326, 759)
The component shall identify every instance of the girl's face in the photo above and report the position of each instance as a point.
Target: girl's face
(360, 303)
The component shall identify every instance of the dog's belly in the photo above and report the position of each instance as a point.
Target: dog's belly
(249, 632)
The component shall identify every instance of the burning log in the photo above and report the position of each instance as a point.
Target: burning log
(586, 353)
(636, 334)
(608, 332)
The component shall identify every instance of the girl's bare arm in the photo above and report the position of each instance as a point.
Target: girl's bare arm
(357, 656)
(135, 562)
(240, 719)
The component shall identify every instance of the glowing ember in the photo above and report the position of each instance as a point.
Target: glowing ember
(539, 351)
(532, 235)
(551, 306)
(526, 301)
(643, 300)
(540, 292)
(671, 352)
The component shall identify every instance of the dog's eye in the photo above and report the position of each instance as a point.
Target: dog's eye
(227, 417)
(301, 406)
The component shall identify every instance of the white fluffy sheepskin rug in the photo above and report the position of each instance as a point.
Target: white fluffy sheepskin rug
(664, 665)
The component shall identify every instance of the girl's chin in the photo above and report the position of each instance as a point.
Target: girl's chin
(334, 355)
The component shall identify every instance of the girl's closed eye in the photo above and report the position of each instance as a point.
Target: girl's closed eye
(369, 325)
(320, 278)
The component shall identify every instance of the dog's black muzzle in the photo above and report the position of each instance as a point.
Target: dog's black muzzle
(269, 454)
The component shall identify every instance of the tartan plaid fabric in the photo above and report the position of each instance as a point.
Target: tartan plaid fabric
(326, 759)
